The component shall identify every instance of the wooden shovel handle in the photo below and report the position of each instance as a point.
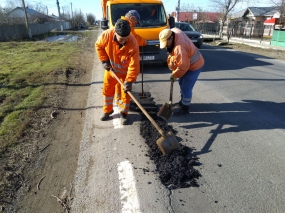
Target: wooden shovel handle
(171, 92)
(141, 107)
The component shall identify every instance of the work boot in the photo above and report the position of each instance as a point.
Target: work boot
(106, 116)
(183, 110)
(179, 104)
(124, 119)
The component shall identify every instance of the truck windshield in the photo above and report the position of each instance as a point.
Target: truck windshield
(151, 15)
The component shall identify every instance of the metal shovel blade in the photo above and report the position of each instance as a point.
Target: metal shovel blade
(165, 111)
(168, 144)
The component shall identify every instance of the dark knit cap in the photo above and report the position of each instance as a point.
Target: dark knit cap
(122, 28)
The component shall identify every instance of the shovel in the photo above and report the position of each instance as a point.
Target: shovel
(167, 143)
(166, 110)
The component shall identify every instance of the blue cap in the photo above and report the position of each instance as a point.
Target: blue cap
(137, 15)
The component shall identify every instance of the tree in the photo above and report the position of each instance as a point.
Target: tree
(78, 18)
(91, 19)
(225, 7)
(280, 4)
(65, 14)
(201, 14)
(39, 7)
(2, 15)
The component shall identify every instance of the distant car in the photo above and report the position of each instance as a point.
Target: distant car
(82, 26)
(191, 32)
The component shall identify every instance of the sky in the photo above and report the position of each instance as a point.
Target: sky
(94, 7)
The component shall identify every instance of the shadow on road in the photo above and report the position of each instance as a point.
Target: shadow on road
(242, 116)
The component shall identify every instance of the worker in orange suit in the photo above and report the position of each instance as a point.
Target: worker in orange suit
(133, 17)
(186, 63)
(118, 50)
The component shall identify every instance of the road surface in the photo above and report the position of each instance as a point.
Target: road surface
(236, 126)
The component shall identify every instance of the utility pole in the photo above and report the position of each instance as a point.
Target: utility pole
(58, 8)
(62, 11)
(47, 10)
(27, 22)
(71, 10)
(71, 15)
(177, 10)
(59, 16)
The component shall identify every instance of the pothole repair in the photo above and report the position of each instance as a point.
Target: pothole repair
(175, 170)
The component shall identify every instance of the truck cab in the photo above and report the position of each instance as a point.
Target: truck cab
(153, 19)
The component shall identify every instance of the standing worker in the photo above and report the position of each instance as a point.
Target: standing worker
(133, 17)
(185, 61)
(119, 51)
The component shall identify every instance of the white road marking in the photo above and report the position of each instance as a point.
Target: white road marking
(129, 196)
(116, 118)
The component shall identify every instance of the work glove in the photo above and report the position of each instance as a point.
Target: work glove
(173, 78)
(127, 86)
(106, 65)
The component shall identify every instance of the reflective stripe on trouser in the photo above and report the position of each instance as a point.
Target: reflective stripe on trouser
(122, 99)
(108, 94)
(118, 93)
(186, 83)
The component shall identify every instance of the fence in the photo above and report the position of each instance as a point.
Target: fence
(236, 30)
(245, 30)
(278, 38)
(19, 32)
(207, 28)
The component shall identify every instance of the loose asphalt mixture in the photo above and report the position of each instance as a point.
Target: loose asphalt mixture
(176, 170)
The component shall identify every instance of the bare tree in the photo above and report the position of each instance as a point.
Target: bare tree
(78, 18)
(187, 7)
(39, 7)
(65, 15)
(280, 4)
(225, 7)
(91, 19)
(201, 14)
(2, 15)
(12, 4)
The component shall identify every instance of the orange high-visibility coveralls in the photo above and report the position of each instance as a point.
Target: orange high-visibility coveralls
(125, 62)
(142, 42)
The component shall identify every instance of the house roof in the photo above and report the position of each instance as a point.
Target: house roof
(32, 13)
(255, 11)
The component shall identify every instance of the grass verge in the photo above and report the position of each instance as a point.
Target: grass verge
(26, 74)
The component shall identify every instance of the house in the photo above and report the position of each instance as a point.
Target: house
(255, 21)
(18, 15)
(191, 17)
(205, 22)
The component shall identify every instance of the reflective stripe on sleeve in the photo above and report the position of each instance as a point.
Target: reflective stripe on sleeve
(195, 57)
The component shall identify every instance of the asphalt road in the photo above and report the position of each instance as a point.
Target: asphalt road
(236, 126)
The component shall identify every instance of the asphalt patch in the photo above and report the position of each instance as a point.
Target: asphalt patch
(175, 170)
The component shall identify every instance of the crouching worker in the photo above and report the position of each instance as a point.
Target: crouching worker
(119, 51)
(185, 61)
